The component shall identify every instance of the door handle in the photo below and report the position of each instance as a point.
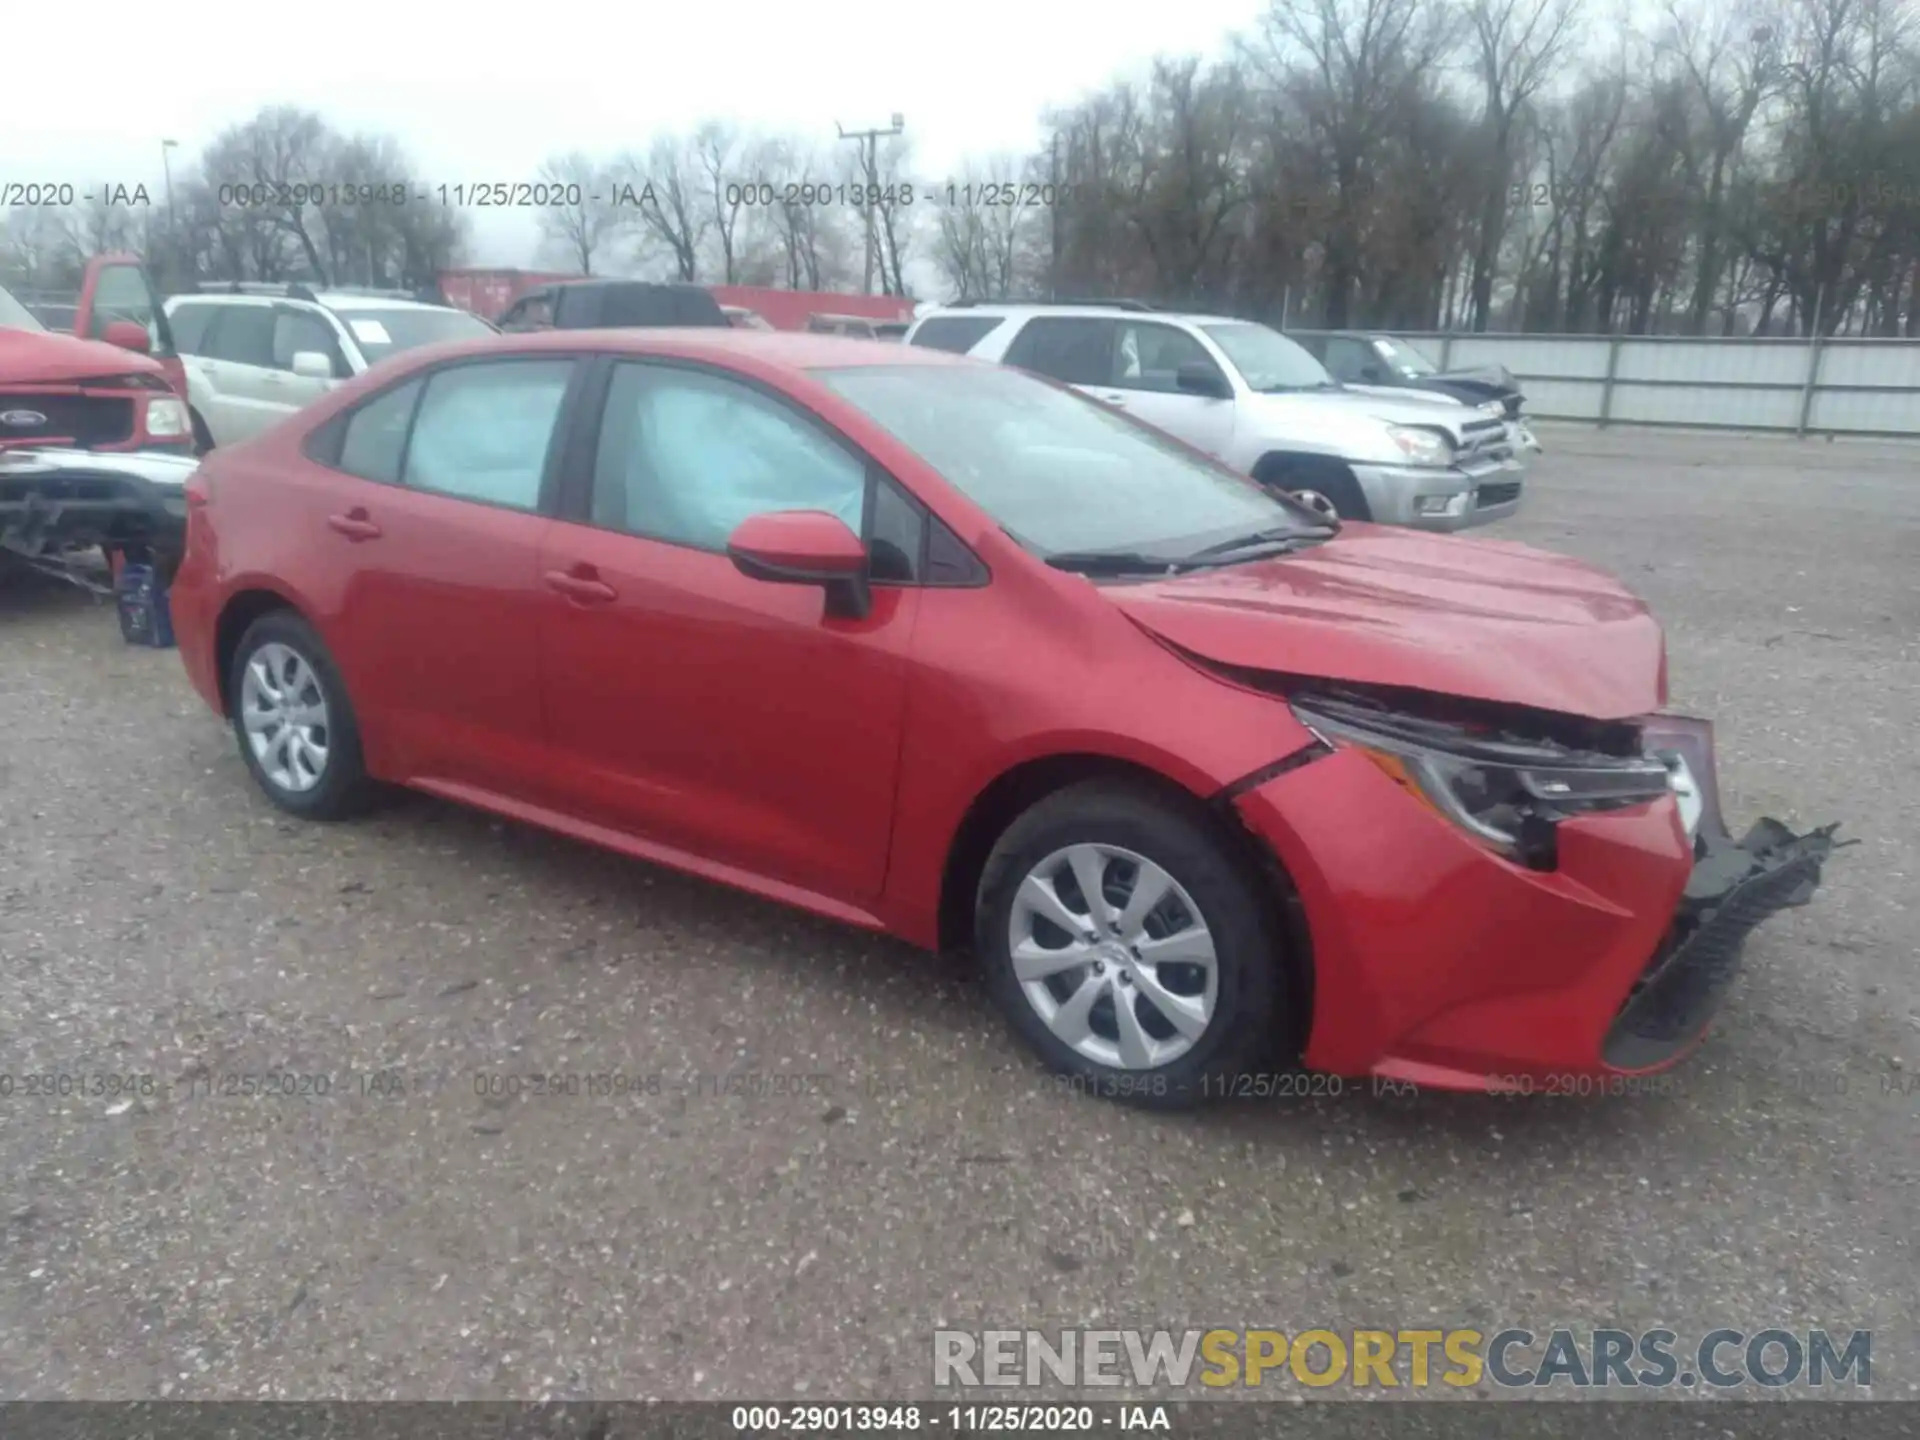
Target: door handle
(583, 588)
(355, 525)
(1118, 402)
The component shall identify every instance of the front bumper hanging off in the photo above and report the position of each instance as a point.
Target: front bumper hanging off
(1733, 888)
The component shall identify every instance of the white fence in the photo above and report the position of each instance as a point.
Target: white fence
(1804, 387)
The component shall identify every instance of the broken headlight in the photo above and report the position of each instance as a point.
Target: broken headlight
(1506, 791)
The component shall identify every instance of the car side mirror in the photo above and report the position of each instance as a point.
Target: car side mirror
(312, 365)
(128, 336)
(1198, 378)
(805, 547)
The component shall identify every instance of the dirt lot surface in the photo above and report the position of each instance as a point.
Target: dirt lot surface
(406, 1233)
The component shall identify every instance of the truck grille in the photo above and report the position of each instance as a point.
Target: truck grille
(83, 420)
(1483, 444)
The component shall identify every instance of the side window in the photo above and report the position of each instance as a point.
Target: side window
(1074, 349)
(242, 334)
(899, 534)
(1346, 359)
(121, 292)
(189, 323)
(685, 457)
(483, 430)
(297, 330)
(955, 333)
(1149, 357)
(376, 435)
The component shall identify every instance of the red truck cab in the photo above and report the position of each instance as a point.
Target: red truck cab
(103, 376)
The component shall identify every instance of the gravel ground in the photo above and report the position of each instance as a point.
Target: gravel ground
(406, 1236)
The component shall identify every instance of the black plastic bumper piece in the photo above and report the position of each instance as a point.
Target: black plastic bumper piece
(43, 514)
(1734, 887)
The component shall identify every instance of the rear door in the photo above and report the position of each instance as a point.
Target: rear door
(1076, 349)
(232, 376)
(435, 517)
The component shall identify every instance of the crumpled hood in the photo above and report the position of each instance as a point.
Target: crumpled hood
(1485, 619)
(33, 357)
(1298, 409)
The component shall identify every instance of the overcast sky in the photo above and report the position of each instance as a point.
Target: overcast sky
(475, 99)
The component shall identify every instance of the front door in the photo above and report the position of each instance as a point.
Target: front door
(693, 706)
(1147, 361)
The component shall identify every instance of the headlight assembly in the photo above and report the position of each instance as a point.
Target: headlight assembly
(1422, 446)
(1506, 792)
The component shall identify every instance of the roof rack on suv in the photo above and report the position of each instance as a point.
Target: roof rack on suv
(1139, 305)
(290, 291)
(387, 293)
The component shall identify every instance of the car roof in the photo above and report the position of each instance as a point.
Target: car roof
(1092, 312)
(788, 349)
(326, 299)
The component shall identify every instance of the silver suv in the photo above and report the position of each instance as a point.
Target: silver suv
(1253, 398)
(254, 354)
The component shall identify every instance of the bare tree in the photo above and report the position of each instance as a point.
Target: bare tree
(667, 185)
(590, 217)
(1517, 46)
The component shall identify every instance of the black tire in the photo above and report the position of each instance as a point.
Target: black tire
(1327, 477)
(344, 789)
(202, 437)
(1250, 1024)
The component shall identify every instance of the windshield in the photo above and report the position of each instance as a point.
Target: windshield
(15, 316)
(1062, 473)
(1268, 360)
(1404, 358)
(384, 332)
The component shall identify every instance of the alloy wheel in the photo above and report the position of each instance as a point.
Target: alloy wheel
(1315, 502)
(283, 709)
(1114, 956)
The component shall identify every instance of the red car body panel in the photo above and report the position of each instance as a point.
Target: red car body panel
(653, 699)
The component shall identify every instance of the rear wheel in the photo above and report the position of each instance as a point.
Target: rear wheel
(1325, 487)
(1130, 947)
(294, 722)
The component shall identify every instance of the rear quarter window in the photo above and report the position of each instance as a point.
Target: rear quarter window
(956, 334)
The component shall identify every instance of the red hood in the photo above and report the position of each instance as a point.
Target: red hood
(33, 357)
(1486, 619)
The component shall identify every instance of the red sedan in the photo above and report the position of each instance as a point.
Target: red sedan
(937, 648)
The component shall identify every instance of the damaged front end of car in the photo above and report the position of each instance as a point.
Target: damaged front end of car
(1512, 777)
(59, 506)
(1734, 886)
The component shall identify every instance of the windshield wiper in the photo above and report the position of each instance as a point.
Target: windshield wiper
(1288, 389)
(1277, 540)
(1116, 562)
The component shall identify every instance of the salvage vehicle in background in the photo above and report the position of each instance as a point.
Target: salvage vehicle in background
(57, 505)
(1253, 398)
(112, 381)
(1368, 359)
(604, 304)
(256, 353)
(947, 650)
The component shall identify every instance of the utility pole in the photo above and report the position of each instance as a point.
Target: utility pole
(869, 141)
(173, 229)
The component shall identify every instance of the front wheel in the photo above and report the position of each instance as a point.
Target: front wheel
(1130, 947)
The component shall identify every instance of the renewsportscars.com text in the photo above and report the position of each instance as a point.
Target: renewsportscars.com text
(1460, 1358)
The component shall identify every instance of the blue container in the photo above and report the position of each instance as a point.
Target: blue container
(144, 616)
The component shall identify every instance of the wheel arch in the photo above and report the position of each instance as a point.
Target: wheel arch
(1023, 785)
(241, 609)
